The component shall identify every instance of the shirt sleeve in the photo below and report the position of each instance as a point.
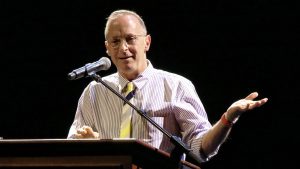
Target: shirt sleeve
(191, 117)
(83, 114)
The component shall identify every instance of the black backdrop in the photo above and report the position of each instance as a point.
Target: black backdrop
(226, 48)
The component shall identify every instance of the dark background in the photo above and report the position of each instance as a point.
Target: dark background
(226, 48)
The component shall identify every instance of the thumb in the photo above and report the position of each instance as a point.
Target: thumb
(89, 130)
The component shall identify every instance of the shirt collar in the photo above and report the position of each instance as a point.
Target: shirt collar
(141, 80)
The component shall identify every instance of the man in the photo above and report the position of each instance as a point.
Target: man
(169, 99)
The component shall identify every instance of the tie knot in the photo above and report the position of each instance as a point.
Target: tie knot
(128, 88)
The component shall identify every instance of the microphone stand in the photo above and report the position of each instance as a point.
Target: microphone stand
(180, 147)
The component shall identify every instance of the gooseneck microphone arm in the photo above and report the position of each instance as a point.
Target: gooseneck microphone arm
(180, 147)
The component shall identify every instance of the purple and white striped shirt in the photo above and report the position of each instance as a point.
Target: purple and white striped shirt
(169, 99)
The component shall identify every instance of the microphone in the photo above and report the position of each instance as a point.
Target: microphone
(90, 68)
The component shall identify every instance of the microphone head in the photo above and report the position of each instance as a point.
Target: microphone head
(105, 63)
(71, 76)
(102, 64)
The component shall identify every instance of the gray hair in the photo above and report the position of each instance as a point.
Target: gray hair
(115, 14)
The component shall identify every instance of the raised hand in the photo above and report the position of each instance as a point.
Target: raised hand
(240, 106)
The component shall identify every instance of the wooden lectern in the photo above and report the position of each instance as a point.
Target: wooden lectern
(87, 153)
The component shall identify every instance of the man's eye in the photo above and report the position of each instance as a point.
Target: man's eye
(130, 38)
(115, 41)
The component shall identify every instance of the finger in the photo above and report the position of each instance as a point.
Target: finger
(81, 131)
(89, 130)
(78, 136)
(252, 96)
(262, 101)
(258, 103)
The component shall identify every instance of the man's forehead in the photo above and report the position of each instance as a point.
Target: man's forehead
(129, 27)
(125, 22)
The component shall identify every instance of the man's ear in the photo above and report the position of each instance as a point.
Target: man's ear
(106, 46)
(148, 43)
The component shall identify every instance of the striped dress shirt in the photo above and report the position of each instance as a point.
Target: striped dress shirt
(169, 99)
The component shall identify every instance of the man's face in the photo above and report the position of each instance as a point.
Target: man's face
(127, 45)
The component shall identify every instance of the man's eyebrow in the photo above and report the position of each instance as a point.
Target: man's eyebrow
(126, 35)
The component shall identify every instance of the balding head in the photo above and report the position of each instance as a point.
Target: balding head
(116, 14)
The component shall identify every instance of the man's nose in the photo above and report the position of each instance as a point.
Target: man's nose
(124, 45)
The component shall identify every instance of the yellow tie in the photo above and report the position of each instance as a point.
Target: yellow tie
(125, 129)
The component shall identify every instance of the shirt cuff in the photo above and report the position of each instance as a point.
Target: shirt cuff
(196, 148)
